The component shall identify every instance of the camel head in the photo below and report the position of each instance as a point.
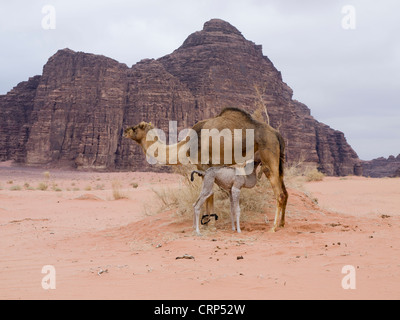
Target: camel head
(139, 132)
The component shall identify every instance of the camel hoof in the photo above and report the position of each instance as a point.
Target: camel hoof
(272, 230)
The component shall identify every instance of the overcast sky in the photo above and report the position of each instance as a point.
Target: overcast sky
(349, 78)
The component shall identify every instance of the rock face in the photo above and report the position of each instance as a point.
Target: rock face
(15, 119)
(78, 111)
(382, 167)
(74, 114)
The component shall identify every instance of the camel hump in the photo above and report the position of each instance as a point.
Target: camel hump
(237, 114)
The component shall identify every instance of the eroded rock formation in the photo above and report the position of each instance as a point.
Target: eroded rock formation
(74, 114)
(382, 167)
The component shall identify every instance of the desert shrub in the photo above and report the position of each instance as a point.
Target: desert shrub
(27, 186)
(134, 185)
(314, 175)
(298, 172)
(100, 186)
(46, 175)
(42, 186)
(117, 192)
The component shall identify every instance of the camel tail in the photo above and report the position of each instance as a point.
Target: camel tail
(281, 154)
(200, 173)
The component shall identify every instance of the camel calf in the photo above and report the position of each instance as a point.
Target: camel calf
(227, 179)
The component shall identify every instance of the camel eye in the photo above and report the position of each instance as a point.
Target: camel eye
(129, 131)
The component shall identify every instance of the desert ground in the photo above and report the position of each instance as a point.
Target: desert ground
(109, 236)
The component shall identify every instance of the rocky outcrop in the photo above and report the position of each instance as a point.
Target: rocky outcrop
(74, 114)
(15, 119)
(78, 111)
(223, 69)
(382, 167)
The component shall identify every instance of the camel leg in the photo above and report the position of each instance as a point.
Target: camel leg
(281, 196)
(196, 215)
(232, 211)
(196, 222)
(210, 205)
(197, 208)
(210, 200)
(283, 204)
(205, 194)
(275, 176)
(236, 206)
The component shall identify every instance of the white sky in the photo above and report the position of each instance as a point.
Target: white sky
(350, 79)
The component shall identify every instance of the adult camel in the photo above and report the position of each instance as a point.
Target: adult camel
(267, 141)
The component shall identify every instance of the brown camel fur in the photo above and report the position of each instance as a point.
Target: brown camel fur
(267, 141)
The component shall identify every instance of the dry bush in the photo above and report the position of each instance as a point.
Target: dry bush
(260, 105)
(183, 197)
(117, 192)
(314, 175)
(16, 188)
(298, 172)
(42, 186)
(46, 175)
(134, 185)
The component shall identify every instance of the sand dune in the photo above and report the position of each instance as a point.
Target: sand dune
(103, 248)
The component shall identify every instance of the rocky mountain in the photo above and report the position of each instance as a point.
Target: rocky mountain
(382, 167)
(75, 112)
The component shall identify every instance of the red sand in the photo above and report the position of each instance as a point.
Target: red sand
(107, 249)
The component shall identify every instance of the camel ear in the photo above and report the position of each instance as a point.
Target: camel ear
(142, 125)
(145, 125)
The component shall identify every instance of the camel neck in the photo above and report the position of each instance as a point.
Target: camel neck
(162, 153)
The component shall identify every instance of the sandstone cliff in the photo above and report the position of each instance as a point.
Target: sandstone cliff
(74, 114)
(382, 167)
